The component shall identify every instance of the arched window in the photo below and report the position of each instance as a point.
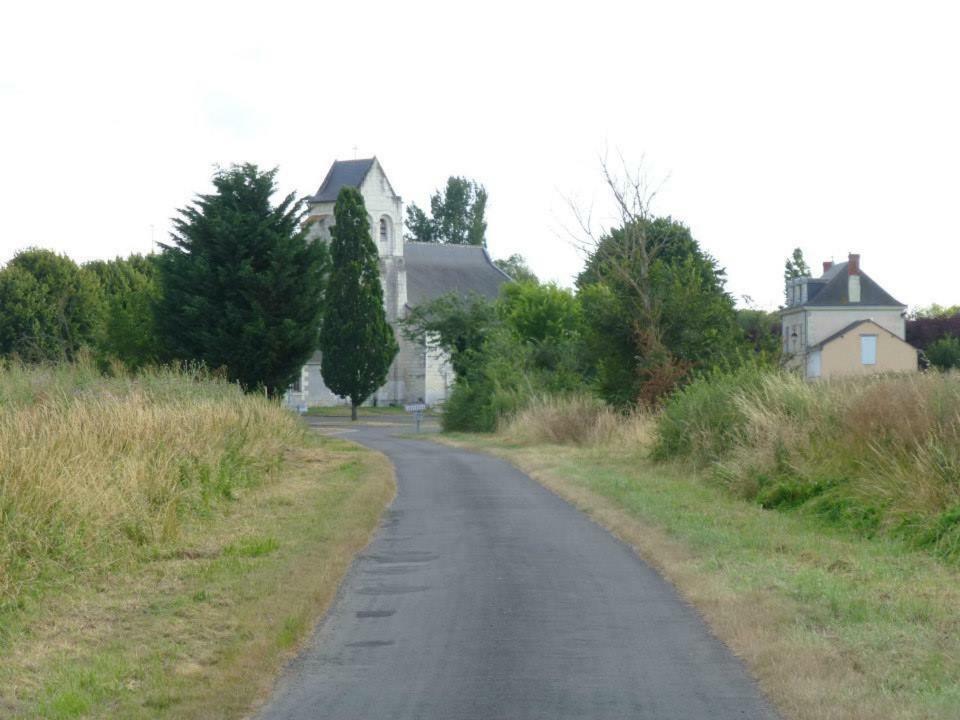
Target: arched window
(384, 231)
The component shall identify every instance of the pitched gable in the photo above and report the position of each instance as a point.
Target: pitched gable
(343, 173)
(832, 290)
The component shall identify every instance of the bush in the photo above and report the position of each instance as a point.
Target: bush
(703, 420)
(577, 420)
(877, 455)
(944, 353)
(498, 383)
(505, 353)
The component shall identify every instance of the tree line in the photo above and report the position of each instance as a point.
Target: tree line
(238, 288)
(649, 312)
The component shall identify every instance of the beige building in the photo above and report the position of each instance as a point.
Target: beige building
(844, 323)
(411, 273)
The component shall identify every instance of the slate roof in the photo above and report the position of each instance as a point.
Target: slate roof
(434, 269)
(831, 290)
(844, 330)
(349, 173)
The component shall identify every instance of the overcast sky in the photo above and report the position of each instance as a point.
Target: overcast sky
(830, 126)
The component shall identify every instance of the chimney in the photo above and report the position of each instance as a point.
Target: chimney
(827, 264)
(853, 278)
(853, 264)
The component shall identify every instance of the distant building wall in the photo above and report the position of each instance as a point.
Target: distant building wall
(842, 356)
(824, 322)
(806, 327)
(438, 375)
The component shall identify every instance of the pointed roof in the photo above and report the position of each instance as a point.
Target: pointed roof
(832, 290)
(343, 173)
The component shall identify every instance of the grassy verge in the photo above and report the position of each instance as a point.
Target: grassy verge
(343, 411)
(834, 626)
(243, 527)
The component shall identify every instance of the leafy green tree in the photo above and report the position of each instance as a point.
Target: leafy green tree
(656, 310)
(526, 343)
(944, 353)
(131, 290)
(516, 267)
(420, 227)
(458, 324)
(936, 311)
(796, 266)
(242, 286)
(49, 308)
(357, 342)
(761, 333)
(458, 216)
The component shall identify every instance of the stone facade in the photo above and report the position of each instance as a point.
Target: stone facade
(421, 371)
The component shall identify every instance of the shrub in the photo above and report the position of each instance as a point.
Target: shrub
(944, 353)
(703, 420)
(577, 420)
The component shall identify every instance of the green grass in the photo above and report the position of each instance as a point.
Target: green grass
(364, 411)
(252, 547)
(833, 624)
(200, 634)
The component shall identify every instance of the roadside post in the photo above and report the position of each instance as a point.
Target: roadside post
(417, 410)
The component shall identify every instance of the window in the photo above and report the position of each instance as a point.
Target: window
(813, 364)
(868, 349)
(384, 231)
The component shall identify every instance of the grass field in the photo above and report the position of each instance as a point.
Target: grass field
(167, 542)
(834, 625)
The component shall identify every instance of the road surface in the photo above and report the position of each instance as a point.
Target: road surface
(484, 596)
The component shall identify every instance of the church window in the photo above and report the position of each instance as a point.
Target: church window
(384, 231)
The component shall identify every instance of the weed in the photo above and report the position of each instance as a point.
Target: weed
(252, 547)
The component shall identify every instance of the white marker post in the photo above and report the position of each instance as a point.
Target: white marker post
(417, 410)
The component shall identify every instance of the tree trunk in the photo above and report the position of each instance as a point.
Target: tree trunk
(353, 411)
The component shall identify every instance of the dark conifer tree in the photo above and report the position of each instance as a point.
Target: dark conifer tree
(242, 286)
(357, 342)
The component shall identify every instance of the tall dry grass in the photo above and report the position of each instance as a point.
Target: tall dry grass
(94, 471)
(578, 420)
(878, 454)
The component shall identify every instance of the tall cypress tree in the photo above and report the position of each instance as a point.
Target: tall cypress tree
(357, 342)
(242, 286)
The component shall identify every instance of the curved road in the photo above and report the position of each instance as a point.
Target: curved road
(485, 596)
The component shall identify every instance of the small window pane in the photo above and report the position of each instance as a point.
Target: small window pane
(868, 349)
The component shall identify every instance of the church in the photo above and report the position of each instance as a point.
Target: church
(411, 272)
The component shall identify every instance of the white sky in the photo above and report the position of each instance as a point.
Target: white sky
(833, 126)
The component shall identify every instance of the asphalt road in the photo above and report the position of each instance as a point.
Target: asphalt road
(485, 596)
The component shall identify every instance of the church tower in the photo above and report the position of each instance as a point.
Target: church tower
(385, 208)
(412, 274)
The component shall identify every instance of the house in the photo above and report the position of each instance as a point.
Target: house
(844, 323)
(412, 273)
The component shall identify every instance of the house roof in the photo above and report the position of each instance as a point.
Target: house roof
(832, 290)
(343, 173)
(852, 326)
(435, 269)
